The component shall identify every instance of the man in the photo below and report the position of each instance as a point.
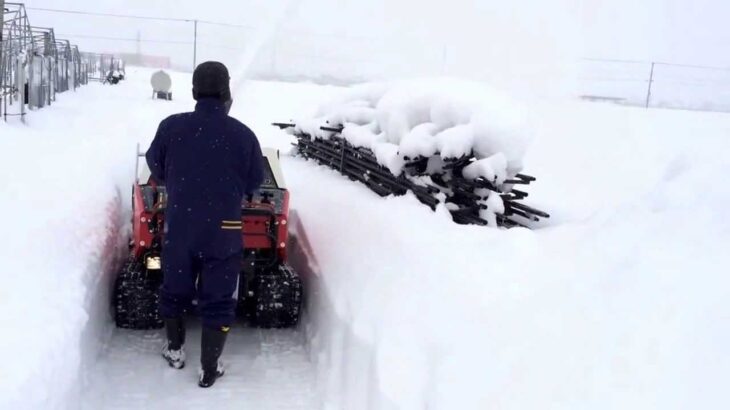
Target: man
(208, 161)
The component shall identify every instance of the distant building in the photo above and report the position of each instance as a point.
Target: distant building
(143, 60)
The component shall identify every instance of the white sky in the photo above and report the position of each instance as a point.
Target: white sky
(682, 31)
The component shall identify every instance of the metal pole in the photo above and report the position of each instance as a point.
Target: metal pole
(195, 45)
(20, 84)
(2, 73)
(273, 55)
(2, 24)
(139, 47)
(444, 54)
(651, 81)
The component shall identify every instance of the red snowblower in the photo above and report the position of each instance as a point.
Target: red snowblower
(269, 292)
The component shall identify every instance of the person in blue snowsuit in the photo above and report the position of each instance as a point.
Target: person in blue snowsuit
(208, 161)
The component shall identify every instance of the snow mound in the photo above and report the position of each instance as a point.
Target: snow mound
(462, 129)
(419, 118)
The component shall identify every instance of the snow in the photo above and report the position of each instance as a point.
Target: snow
(263, 370)
(421, 117)
(420, 141)
(455, 142)
(493, 169)
(65, 186)
(402, 121)
(362, 135)
(620, 300)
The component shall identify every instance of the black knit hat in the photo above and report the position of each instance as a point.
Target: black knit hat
(211, 80)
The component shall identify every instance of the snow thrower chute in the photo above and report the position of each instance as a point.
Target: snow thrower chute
(269, 292)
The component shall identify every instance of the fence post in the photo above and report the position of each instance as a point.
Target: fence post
(274, 51)
(651, 81)
(195, 45)
(2, 24)
(20, 84)
(444, 58)
(2, 66)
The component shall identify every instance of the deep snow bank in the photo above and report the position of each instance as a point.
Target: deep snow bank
(621, 303)
(64, 206)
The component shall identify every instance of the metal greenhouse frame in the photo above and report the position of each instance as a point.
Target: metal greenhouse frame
(35, 65)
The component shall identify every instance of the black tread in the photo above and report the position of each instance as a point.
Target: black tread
(278, 298)
(137, 298)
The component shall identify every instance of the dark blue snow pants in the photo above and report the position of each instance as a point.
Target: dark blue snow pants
(207, 272)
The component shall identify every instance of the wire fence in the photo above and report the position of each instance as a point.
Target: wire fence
(656, 84)
(102, 67)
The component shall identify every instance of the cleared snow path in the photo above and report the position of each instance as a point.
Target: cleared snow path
(71, 201)
(265, 369)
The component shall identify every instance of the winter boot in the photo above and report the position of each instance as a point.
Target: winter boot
(174, 351)
(212, 344)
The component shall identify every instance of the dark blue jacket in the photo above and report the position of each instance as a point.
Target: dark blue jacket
(208, 161)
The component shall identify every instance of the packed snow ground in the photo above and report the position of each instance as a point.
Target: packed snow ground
(620, 301)
(266, 369)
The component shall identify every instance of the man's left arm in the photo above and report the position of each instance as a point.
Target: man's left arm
(253, 169)
(156, 154)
